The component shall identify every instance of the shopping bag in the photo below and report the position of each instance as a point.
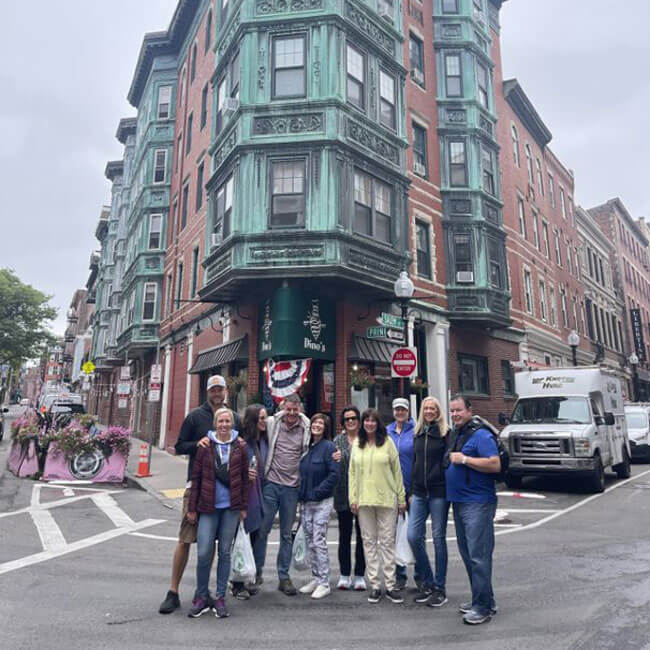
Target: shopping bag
(403, 553)
(300, 552)
(242, 561)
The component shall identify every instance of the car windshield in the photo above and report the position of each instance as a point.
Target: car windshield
(636, 420)
(552, 410)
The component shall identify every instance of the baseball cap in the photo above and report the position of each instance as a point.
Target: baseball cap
(216, 380)
(401, 402)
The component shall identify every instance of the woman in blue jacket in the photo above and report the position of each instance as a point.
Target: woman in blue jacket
(319, 473)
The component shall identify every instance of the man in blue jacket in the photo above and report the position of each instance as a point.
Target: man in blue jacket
(401, 431)
(473, 463)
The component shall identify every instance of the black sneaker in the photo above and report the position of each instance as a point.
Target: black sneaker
(254, 587)
(438, 598)
(200, 606)
(374, 596)
(239, 591)
(400, 584)
(220, 609)
(171, 603)
(467, 607)
(286, 587)
(424, 595)
(394, 596)
(474, 618)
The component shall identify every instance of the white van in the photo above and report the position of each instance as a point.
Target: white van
(637, 418)
(567, 421)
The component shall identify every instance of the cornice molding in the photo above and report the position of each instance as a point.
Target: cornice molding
(523, 107)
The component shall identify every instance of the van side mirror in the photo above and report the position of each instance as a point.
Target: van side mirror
(503, 419)
(609, 418)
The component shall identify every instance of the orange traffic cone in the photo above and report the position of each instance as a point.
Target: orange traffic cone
(143, 464)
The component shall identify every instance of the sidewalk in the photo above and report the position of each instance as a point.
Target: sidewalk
(168, 474)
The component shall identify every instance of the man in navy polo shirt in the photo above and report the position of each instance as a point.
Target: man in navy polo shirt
(473, 463)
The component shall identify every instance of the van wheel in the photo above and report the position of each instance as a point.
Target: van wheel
(624, 469)
(513, 481)
(597, 479)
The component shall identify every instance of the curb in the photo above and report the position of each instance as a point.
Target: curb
(139, 484)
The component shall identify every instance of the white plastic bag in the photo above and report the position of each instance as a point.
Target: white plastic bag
(300, 552)
(242, 561)
(403, 553)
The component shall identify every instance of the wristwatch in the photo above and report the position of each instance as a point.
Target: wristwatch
(464, 460)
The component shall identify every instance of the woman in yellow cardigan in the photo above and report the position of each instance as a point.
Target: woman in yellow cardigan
(376, 492)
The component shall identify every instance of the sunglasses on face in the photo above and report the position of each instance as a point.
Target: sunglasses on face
(353, 418)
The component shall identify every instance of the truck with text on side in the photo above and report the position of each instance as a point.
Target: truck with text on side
(567, 421)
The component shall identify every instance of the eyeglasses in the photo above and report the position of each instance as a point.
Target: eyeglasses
(353, 418)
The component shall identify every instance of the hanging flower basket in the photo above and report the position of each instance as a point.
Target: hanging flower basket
(236, 383)
(361, 379)
(418, 385)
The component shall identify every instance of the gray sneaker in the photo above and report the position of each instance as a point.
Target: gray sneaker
(438, 598)
(286, 587)
(220, 609)
(467, 607)
(474, 618)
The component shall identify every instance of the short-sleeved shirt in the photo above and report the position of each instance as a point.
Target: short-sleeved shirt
(467, 485)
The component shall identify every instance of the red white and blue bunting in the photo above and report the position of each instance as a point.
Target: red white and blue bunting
(284, 378)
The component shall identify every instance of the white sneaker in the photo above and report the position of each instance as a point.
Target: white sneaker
(344, 583)
(321, 591)
(309, 587)
(359, 583)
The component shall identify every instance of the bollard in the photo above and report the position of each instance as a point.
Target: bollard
(144, 462)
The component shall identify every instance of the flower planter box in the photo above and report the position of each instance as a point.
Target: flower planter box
(16, 456)
(87, 466)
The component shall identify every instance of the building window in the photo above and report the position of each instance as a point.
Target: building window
(483, 78)
(181, 93)
(208, 31)
(288, 193)
(179, 284)
(169, 294)
(547, 247)
(535, 230)
(204, 105)
(223, 216)
(356, 75)
(568, 258)
(195, 271)
(562, 202)
(188, 134)
(155, 226)
(372, 207)
(235, 74)
(457, 164)
(463, 259)
(528, 292)
(487, 165)
(193, 63)
(416, 51)
(540, 178)
(199, 187)
(419, 150)
(179, 152)
(508, 378)
(160, 166)
(552, 306)
(289, 66)
(221, 100)
(449, 6)
(164, 102)
(522, 217)
(149, 301)
(453, 76)
(496, 274)
(473, 374)
(174, 220)
(515, 144)
(529, 164)
(131, 308)
(542, 300)
(565, 321)
(423, 249)
(551, 190)
(387, 99)
(558, 252)
(184, 199)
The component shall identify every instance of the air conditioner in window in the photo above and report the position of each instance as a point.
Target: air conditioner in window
(465, 277)
(230, 104)
(214, 240)
(419, 168)
(417, 75)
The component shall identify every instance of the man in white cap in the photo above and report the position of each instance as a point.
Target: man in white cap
(193, 434)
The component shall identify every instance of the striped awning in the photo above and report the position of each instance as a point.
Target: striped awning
(236, 350)
(371, 350)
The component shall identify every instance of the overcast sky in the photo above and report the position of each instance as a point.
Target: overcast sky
(68, 66)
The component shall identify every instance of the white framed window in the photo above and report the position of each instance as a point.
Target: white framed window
(522, 216)
(564, 307)
(515, 144)
(453, 76)
(540, 177)
(528, 291)
(160, 166)
(552, 305)
(483, 81)
(149, 300)
(551, 189)
(155, 229)
(289, 66)
(542, 300)
(529, 164)
(223, 208)
(562, 202)
(536, 239)
(288, 192)
(164, 102)
(356, 77)
(387, 114)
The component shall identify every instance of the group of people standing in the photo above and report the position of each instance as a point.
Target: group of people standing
(244, 473)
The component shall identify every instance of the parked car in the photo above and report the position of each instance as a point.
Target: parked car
(637, 417)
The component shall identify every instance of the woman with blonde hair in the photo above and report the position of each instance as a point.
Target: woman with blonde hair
(429, 498)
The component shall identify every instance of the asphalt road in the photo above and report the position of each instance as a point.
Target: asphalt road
(89, 571)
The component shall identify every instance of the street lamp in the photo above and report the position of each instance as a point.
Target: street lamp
(404, 289)
(634, 362)
(574, 341)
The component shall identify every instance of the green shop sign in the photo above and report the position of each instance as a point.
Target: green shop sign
(295, 324)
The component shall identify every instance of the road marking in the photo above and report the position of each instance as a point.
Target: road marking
(521, 495)
(107, 504)
(49, 532)
(51, 504)
(176, 493)
(528, 511)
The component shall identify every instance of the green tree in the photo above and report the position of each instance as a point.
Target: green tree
(24, 316)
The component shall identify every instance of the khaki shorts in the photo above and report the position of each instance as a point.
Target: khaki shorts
(187, 532)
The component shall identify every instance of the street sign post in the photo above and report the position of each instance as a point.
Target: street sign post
(404, 363)
(389, 320)
(155, 375)
(383, 332)
(88, 367)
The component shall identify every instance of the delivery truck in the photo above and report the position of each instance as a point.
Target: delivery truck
(567, 421)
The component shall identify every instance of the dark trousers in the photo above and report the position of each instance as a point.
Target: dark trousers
(346, 521)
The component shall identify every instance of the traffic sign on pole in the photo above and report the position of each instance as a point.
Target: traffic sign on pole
(404, 363)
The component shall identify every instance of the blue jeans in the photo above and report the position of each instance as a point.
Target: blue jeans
(421, 508)
(221, 525)
(475, 536)
(282, 499)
